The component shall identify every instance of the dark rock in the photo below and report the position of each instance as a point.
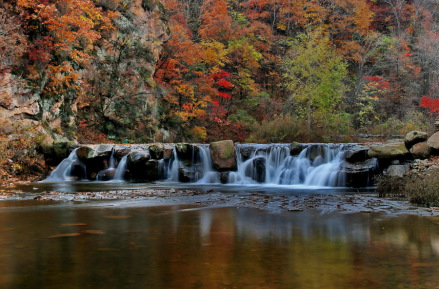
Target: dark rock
(360, 174)
(358, 154)
(223, 155)
(156, 151)
(106, 175)
(314, 151)
(415, 137)
(224, 177)
(185, 175)
(187, 153)
(296, 148)
(138, 158)
(168, 152)
(259, 170)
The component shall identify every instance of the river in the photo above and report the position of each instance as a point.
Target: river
(137, 244)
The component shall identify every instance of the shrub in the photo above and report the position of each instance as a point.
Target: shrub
(420, 188)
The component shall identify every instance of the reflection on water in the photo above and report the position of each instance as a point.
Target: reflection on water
(77, 246)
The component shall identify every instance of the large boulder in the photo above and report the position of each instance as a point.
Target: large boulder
(141, 168)
(388, 151)
(420, 150)
(433, 141)
(223, 155)
(415, 137)
(93, 151)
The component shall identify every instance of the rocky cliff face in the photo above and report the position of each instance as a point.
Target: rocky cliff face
(118, 86)
(121, 77)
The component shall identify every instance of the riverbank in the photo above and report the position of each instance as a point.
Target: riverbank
(345, 203)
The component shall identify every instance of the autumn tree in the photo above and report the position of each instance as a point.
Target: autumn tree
(314, 75)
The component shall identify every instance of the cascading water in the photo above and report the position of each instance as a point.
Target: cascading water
(273, 165)
(318, 165)
(120, 170)
(63, 171)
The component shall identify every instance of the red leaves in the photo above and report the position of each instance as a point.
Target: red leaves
(430, 103)
(222, 83)
(223, 94)
(377, 82)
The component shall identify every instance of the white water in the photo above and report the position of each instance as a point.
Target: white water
(63, 171)
(270, 165)
(121, 168)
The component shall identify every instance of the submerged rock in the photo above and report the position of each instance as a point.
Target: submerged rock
(223, 155)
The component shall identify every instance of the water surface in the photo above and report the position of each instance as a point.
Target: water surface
(109, 245)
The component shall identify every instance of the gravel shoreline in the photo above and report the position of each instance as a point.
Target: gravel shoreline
(275, 203)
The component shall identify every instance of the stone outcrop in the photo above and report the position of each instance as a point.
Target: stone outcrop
(357, 154)
(388, 151)
(360, 174)
(223, 155)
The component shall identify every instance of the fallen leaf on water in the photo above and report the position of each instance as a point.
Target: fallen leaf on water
(65, 235)
(72, 225)
(93, 232)
(118, 217)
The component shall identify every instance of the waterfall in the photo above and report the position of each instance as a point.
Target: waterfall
(63, 171)
(121, 168)
(318, 165)
(273, 165)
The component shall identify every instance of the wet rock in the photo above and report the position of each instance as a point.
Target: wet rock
(55, 150)
(138, 157)
(168, 151)
(315, 151)
(142, 169)
(259, 170)
(415, 137)
(388, 151)
(156, 150)
(246, 152)
(121, 150)
(296, 148)
(360, 174)
(184, 175)
(420, 150)
(358, 154)
(187, 152)
(106, 175)
(223, 155)
(224, 177)
(397, 170)
(93, 151)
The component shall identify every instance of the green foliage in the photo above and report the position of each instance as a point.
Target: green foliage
(314, 75)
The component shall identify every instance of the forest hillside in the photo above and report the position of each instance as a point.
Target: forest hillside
(201, 70)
